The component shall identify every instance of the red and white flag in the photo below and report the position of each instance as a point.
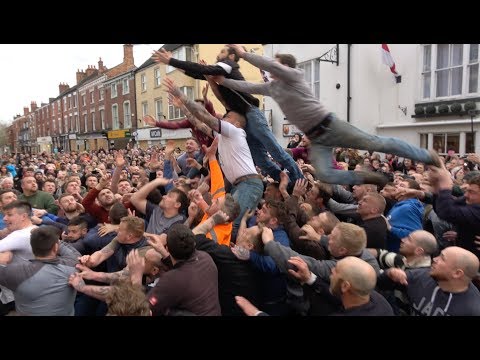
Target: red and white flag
(388, 60)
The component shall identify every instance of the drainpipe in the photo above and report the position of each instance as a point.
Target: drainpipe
(348, 82)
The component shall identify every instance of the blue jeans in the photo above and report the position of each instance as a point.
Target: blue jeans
(341, 134)
(260, 140)
(248, 194)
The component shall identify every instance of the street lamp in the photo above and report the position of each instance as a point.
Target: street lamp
(472, 114)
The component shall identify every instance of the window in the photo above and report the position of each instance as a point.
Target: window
(74, 99)
(69, 102)
(84, 100)
(185, 53)
(71, 124)
(93, 121)
(444, 142)
(144, 108)
(100, 92)
(102, 118)
(85, 122)
(174, 112)
(158, 109)
(312, 75)
(77, 123)
(449, 70)
(113, 89)
(115, 123)
(473, 69)
(143, 82)
(125, 86)
(91, 97)
(156, 75)
(127, 117)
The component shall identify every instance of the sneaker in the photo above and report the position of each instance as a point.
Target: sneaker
(436, 161)
(371, 177)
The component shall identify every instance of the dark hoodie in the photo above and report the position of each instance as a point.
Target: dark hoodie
(228, 68)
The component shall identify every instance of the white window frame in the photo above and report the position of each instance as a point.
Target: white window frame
(84, 100)
(115, 119)
(144, 108)
(184, 53)
(157, 77)
(77, 123)
(429, 94)
(114, 90)
(159, 109)
(143, 82)
(92, 97)
(101, 93)
(85, 122)
(127, 115)
(125, 86)
(310, 73)
(93, 121)
(102, 118)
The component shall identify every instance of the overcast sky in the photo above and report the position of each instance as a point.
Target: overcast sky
(32, 72)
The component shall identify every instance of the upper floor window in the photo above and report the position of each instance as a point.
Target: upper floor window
(127, 116)
(449, 70)
(84, 100)
(113, 89)
(156, 75)
(125, 86)
(311, 69)
(100, 93)
(143, 82)
(185, 53)
(115, 120)
(158, 109)
(92, 98)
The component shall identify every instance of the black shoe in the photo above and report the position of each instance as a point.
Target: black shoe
(6, 308)
(371, 177)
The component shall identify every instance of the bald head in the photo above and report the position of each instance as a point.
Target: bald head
(358, 273)
(464, 260)
(426, 241)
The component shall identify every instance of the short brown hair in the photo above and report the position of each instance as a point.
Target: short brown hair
(126, 299)
(287, 59)
(135, 225)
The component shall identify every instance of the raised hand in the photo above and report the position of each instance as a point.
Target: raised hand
(162, 56)
(173, 89)
(298, 268)
(205, 91)
(309, 233)
(149, 120)
(211, 151)
(300, 187)
(240, 50)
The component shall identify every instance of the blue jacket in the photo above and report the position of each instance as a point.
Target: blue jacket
(405, 217)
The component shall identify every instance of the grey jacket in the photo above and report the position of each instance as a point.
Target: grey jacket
(290, 90)
(321, 268)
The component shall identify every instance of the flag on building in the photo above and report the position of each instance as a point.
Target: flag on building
(388, 59)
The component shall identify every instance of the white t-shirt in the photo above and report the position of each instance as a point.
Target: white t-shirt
(234, 154)
(19, 243)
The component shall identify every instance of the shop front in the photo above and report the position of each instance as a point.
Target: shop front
(45, 144)
(155, 136)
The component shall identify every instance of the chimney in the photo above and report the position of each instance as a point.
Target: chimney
(33, 106)
(80, 76)
(63, 87)
(101, 68)
(128, 55)
(90, 70)
(25, 111)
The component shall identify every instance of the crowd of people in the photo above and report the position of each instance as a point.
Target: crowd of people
(338, 223)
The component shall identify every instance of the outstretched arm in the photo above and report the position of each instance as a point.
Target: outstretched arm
(196, 109)
(280, 71)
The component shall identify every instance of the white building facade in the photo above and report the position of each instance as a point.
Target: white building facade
(434, 105)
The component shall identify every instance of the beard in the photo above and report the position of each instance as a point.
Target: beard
(335, 288)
